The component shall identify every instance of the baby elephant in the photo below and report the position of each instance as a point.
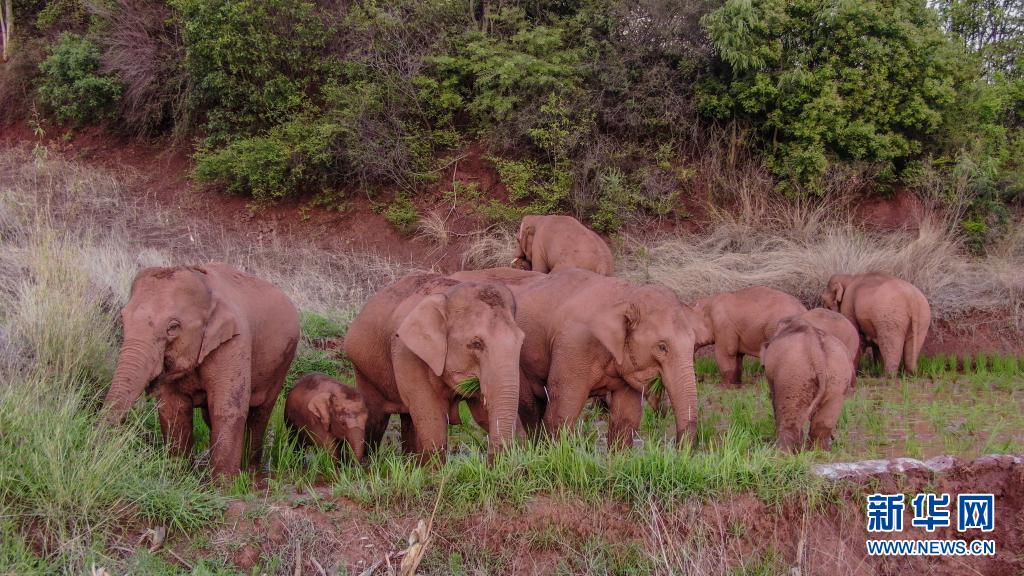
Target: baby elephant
(808, 372)
(835, 324)
(550, 243)
(327, 411)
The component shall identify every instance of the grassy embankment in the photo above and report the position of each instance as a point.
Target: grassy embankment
(72, 238)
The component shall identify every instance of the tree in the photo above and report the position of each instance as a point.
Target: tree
(832, 79)
(6, 25)
(993, 29)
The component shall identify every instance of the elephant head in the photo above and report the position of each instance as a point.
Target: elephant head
(469, 332)
(173, 320)
(524, 239)
(343, 415)
(650, 333)
(832, 297)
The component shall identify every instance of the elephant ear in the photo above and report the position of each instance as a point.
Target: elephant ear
(698, 314)
(837, 290)
(320, 406)
(425, 332)
(221, 326)
(610, 327)
(526, 231)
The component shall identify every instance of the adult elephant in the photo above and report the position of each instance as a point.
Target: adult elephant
(589, 335)
(211, 337)
(550, 243)
(891, 314)
(741, 322)
(417, 340)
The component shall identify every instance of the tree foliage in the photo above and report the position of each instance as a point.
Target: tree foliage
(833, 79)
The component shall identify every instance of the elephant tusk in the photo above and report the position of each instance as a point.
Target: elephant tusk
(514, 260)
(546, 396)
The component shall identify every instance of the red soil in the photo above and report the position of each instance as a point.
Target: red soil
(709, 537)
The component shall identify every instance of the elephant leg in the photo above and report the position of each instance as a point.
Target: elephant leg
(788, 428)
(910, 353)
(531, 406)
(376, 418)
(408, 435)
(728, 366)
(206, 416)
(226, 378)
(824, 421)
(567, 392)
(479, 412)
(256, 425)
(376, 425)
(892, 353)
(175, 411)
(430, 427)
(625, 410)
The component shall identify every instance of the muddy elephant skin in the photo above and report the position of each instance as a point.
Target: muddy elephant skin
(550, 243)
(808, 374)
(210, 337)
(835, 324)
(327, 412)
(741, 322)
(589, 335)
(891, 314)
(414, 343)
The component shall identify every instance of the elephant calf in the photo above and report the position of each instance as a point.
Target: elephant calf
(210, 337)
(892, 314)
(808, 373)
(417, 340)
(835, 324)
(550, 243)
(741, 322)
(327, 411)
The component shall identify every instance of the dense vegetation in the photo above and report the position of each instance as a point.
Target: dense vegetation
(610, 109)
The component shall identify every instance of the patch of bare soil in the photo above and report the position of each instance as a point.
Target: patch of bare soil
(323, 532)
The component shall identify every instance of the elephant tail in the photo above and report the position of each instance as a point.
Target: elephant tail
(823, 375)
(916, 334)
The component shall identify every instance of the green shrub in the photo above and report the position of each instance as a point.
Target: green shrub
(494, 76)
(70, 86)
(402, 214)
(290, 158)
(543, 186)
(852, 80)
(253, 63)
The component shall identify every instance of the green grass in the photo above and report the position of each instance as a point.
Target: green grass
(69, 482)
(69, 485)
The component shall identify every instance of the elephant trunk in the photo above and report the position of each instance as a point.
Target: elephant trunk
(681, 383)
(137, 364)
(500, 386)
(356, 438)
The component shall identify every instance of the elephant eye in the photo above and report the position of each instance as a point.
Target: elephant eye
(172, 327)
(476, 344)
(662, 347)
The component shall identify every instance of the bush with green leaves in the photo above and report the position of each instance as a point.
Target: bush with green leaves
(288, 159)
(253, 63)
(71, 85)
(494, 76)
(826, 80)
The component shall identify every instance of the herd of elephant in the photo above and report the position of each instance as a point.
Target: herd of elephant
(532, 344)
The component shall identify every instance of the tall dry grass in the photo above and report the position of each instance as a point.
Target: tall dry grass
(71, 240)
(763, 240)
(123, 232)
